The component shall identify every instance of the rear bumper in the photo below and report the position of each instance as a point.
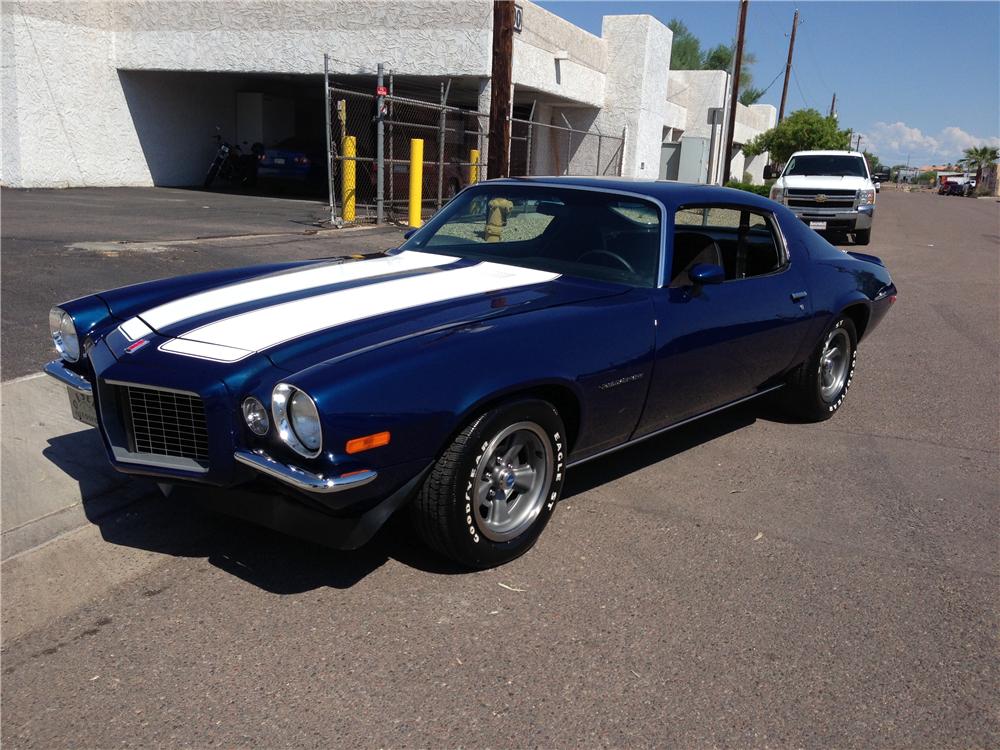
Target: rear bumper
(847, 221)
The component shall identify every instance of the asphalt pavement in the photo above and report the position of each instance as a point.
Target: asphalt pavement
(744, 581)
(63, 244)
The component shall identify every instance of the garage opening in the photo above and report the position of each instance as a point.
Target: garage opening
(276, 121)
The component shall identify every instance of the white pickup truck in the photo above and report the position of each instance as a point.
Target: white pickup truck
(830, 191)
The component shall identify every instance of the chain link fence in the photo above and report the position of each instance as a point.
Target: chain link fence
(454, 152)
(539, 148)
(371, 129)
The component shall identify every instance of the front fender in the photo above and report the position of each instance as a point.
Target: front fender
(423, 390)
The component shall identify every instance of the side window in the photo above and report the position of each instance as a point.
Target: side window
(743, 241)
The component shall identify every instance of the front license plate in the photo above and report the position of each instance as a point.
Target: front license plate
(818, 225)
(82, 406)
(279, 161)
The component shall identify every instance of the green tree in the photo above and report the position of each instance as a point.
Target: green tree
(750, 95)
(802, 130)
(980, 157)
(685, 51)
(720, 57)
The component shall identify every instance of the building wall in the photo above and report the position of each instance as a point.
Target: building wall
(636, 89)
(116, 92)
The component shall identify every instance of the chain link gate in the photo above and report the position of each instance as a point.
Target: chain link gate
(370, 135)
(454, 152)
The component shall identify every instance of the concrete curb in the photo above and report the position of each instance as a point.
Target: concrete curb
(55, 475)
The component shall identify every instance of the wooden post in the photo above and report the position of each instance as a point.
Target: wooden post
(728, 146)
(788, 66)
(498, 161)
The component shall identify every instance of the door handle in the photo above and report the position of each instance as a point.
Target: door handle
(799, 296)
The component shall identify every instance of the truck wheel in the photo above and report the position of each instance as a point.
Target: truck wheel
(816, 389)
(494, 488)
(862, 236)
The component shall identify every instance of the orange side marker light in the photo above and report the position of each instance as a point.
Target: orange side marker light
(368, 442)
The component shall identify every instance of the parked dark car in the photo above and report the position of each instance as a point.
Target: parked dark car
(528, 327)
(293, 160)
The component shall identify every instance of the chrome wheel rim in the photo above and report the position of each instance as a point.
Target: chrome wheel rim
(513, 476)
(834, 364)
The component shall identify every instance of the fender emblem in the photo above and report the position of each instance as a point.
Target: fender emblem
(620, 381)
(136, 346)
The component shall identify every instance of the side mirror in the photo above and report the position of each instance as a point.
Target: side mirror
(706, 273)
(409, 233)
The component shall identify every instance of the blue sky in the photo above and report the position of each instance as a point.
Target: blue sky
(915, 78)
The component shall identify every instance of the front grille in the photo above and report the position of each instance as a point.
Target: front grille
(166, 423)
(807, 198)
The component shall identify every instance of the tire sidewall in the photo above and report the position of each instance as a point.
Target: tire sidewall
(472, 544)
(832, 407)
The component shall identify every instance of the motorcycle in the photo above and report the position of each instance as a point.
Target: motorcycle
(232, 165)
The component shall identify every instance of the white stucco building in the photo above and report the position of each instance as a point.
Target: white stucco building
(130, 92)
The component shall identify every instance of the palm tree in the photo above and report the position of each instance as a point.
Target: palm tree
(980, 157)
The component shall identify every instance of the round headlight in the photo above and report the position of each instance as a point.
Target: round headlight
(64, 334)
(305, 420)
(255, 416)
(297, 420)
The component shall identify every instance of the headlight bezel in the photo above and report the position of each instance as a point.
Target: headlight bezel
(255, 416)
(285, 419)
(866, 197)
(65, 338)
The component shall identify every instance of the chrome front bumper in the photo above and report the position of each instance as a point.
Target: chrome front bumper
(67, 377)
(859, 218)
(301, 479)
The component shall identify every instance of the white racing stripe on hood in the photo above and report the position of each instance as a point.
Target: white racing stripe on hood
(284, 283)
(261, 329)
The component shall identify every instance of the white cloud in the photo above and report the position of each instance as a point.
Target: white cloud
(893, 142)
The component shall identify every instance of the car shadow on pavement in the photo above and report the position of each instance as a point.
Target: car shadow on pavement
(666, 445)
(179, 526)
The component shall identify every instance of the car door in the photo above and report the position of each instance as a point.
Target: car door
(719, 342)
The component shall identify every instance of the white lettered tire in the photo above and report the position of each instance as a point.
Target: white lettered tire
(491, 493)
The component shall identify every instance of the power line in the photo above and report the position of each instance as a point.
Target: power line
(795, 76)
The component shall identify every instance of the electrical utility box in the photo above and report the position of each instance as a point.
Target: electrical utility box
(693, 165)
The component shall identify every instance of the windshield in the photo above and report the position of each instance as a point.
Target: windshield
(828, 165)
(586, 233)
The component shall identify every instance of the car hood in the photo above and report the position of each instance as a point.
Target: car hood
(303, 316)
(825, 182)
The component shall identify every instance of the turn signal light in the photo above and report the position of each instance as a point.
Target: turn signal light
(368, 442)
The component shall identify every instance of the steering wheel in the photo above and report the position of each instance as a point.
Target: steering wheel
(609, 254)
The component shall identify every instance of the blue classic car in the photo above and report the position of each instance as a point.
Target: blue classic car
(531, 325)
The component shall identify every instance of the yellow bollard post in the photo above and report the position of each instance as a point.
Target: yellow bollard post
(474, 166)
(416, 180)
(348, 176)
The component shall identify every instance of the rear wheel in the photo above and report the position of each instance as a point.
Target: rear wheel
(862, 236)
(494, 488)
(817, 388)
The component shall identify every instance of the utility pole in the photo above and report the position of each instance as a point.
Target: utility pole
(788, 66)
(737, 62)
(859, 143)
(498, 162)
(833, 105)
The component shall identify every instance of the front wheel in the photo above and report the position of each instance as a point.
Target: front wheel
(816, 389)
(492, 491)
(862, 236)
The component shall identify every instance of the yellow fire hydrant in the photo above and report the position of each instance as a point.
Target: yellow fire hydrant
(496, 218)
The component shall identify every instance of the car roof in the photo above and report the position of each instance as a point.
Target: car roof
(668, 192)
(829, 153)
